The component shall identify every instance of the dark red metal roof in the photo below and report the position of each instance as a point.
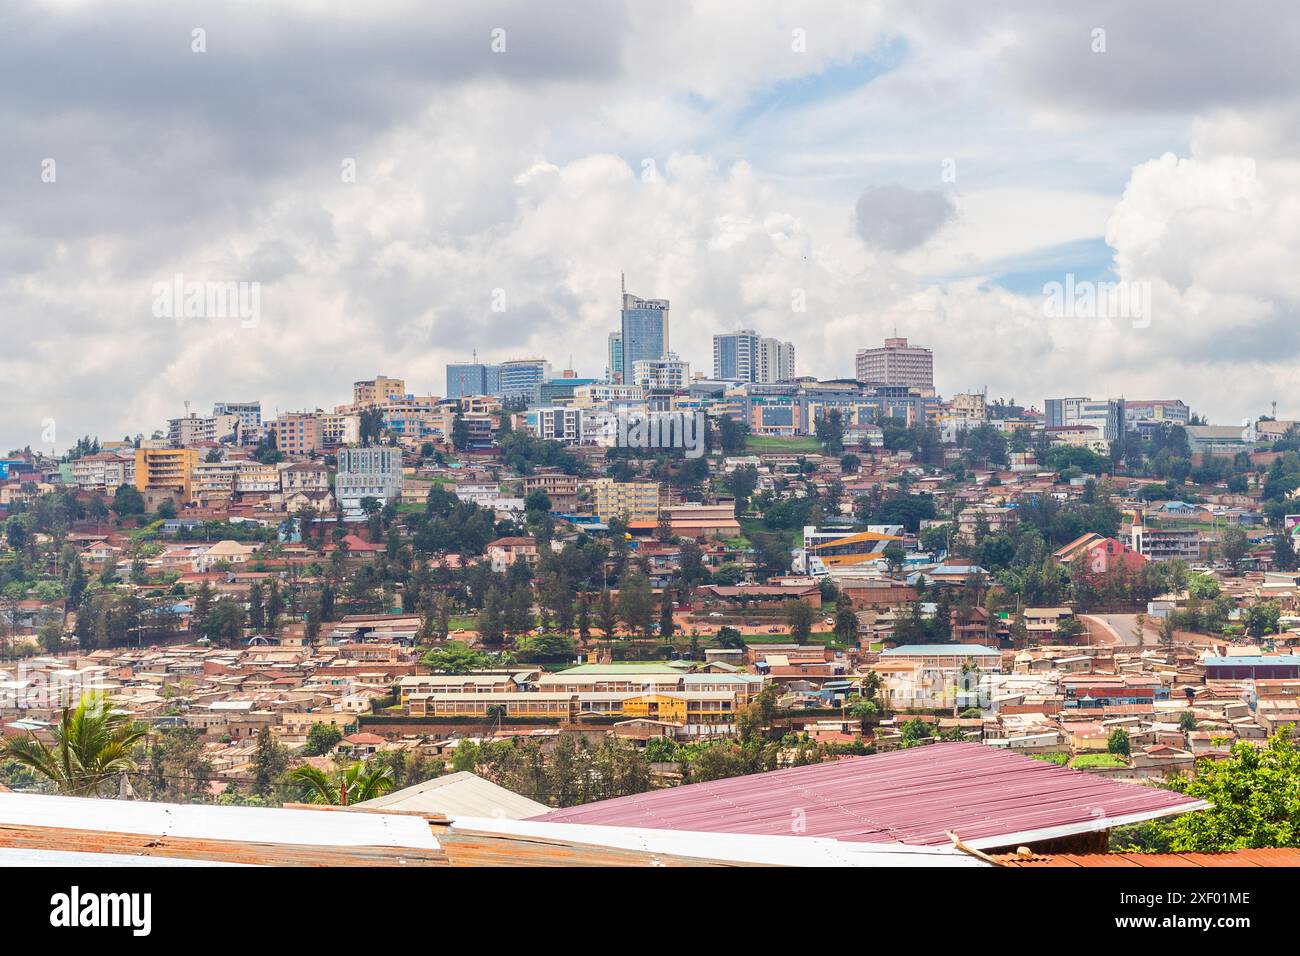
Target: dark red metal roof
(988, 797)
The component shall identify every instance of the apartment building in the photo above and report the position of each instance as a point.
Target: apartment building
(379, 390)
(298, 433)
(668, 372)
(1162, 544)
(634, 500)
(373, 472)
(303, 476)
(339, 428)
(104, 471)
(166, 469)
(562, 489)
(556, 423)
(250, 413)
(601, 394)
(193, 429)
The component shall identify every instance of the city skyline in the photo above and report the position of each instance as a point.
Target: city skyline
(471, 197)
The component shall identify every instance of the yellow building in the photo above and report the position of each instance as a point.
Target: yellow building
(379, 390)
(634, 500)
(510, 704)
(166, 469)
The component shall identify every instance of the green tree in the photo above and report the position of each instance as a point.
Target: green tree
(321, 739)
(1235, 547)
(127, 501)
(799, 615)
(270, 760)
(731, 638)
(456, 657)
(606, 615)
(636, 603)
(491, 619)
(846, 620)
(666, 625)
(1118, 743)
(916, 732)
(346, 787)
(92, 748)
(1255, 797)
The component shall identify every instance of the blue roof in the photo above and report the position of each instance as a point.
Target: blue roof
(1252, 660)
(945, 649)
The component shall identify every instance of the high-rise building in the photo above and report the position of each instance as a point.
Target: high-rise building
(521, 378)
(634, 500)
(378, 390)
(298, 433)
(669, 372)
(250, 413)
(614, 371)
(897, 363)
(644, 331)
(165, 469)
(1105, 414)
(372, 472)
(472, 378)
(191, 430)
(745, 356)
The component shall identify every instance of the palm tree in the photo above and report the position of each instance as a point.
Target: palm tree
(92, 748)
(351, 785)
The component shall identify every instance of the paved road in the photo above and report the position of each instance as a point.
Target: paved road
(1121, 627)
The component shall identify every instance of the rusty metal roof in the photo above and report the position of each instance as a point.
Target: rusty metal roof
(73, 831)
(988, 798)
(1235, 858)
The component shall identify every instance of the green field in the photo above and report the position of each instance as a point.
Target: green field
(1085, 761)
(792, 446)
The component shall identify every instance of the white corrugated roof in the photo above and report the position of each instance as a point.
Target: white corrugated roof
(732, 847)
(202, 821)
(460, 793)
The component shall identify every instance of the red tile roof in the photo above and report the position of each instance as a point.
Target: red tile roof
(989, 798)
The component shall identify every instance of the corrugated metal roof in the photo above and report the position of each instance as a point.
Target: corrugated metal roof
(941, 650)
(716, 848)
(1265, 857)
(197, 832)
(459, 794)
(988, 798)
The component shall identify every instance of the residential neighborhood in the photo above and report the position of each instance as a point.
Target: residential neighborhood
(381, 595)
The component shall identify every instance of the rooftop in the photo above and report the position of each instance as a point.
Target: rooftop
(989, 798)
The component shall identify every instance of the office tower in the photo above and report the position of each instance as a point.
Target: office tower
(897, 364)
(644, 331)
(521, 378)
(745, 356)
(776, 360)
(614, 370)
(1104, 414)
(472, 378)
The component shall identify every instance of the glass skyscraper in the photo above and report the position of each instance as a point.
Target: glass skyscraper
(746, 356)
(472, 378)
(644, 331)
(614, 371)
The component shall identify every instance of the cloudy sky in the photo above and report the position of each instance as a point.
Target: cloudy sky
(925, 170)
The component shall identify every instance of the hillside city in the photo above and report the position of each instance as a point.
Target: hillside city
(579, 589)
